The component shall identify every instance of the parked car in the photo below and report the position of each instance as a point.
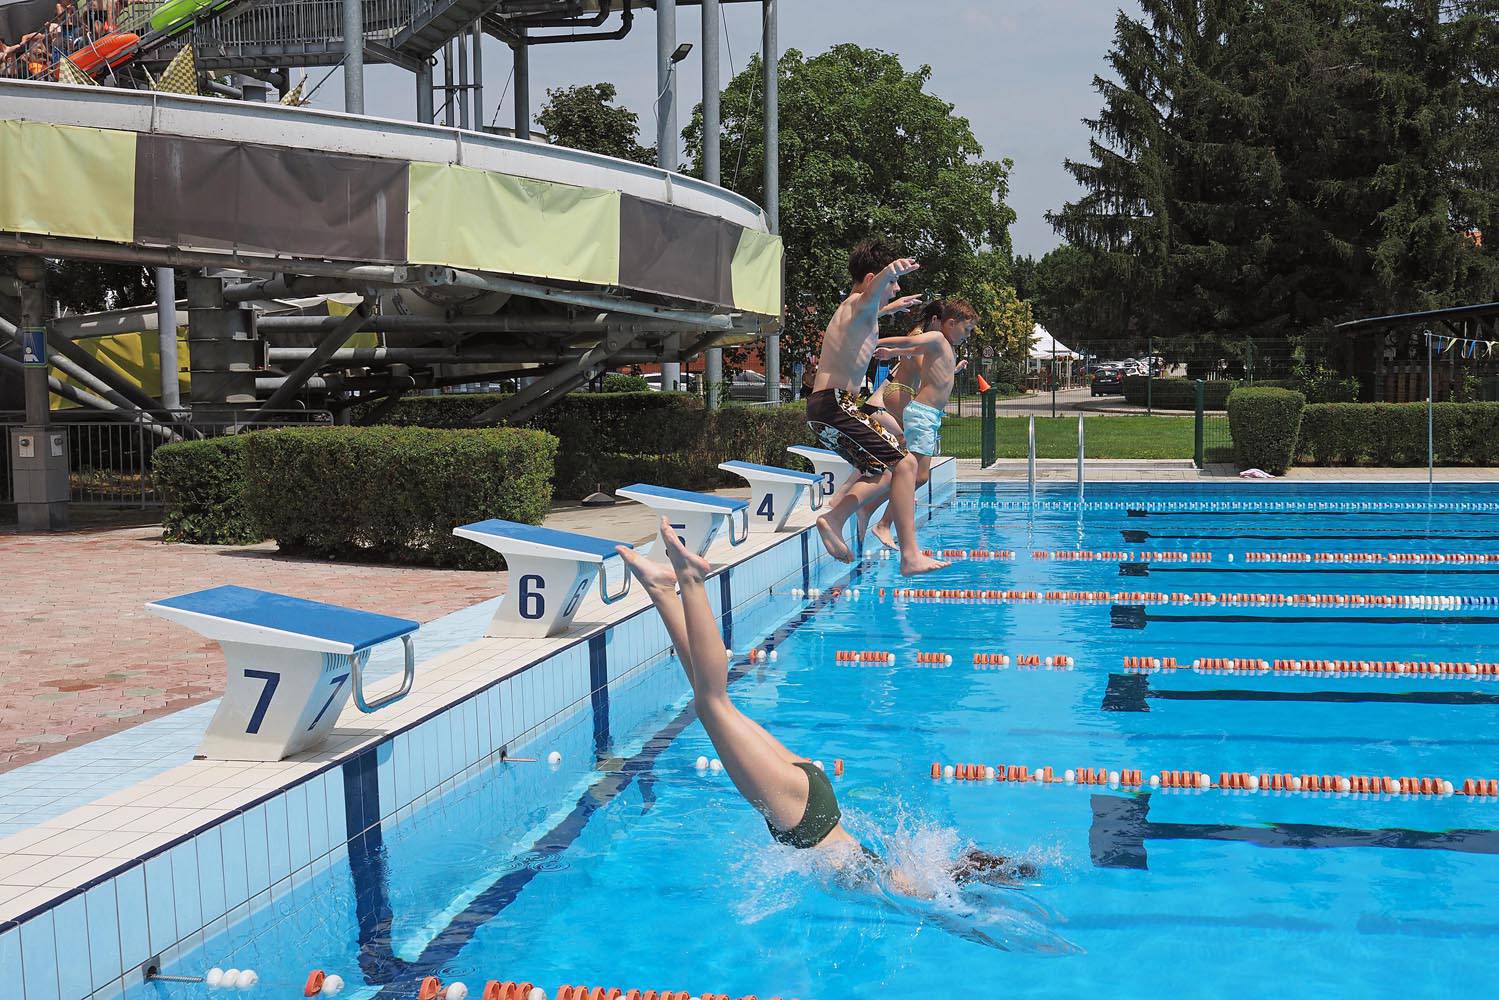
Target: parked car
(749, 387)
(687, 382)
(1108, 381)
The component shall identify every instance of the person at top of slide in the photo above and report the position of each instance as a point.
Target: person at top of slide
(791, 793)
(931, 358)
(883, 466)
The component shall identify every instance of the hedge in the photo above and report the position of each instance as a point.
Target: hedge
(1264, 424)
(202, 484)
(608, 440)
(620, 382)
(1176, 393)
(1394, 434)
(395, 493)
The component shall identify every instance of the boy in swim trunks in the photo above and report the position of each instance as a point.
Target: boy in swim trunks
(931, 359)
(883, 467)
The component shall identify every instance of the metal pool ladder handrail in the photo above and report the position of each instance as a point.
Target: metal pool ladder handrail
(1081, 452)
(1030, 467)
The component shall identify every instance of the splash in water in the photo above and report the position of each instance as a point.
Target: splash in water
(923, 870)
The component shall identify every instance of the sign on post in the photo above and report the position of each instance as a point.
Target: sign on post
(34, 347)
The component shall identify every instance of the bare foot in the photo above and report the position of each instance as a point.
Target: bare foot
(833, 541)
(882, 532)
(921, 564)
(685, 562)
(651, 574)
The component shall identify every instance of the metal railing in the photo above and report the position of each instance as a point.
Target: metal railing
(110, 461)
(1212, 441)
(319, 23)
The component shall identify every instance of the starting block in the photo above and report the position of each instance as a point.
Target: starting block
(697, 518)
(550, 572)
(292, 666)
(832, 468)
(774, 492)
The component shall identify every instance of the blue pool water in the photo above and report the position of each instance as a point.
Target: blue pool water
(641, 872)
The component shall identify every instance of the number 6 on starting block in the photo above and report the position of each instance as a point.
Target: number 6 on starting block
(292, 666)
(550, 573)
(774, 492)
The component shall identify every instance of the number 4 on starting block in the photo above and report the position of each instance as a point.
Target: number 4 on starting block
(774, 492)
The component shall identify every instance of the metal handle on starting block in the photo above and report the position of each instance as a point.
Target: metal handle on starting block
(604, 585)
(743, 513)
(356, 669)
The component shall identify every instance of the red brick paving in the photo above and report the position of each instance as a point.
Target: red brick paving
(80, 659)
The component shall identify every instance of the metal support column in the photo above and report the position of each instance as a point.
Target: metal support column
(166, 336)
(666, 126)
(424, 92)
(224, 352)
(771, 54)
(319, 357)
(713, 364)
(447, 85)
(522, 53)
(477, 115)
(38, 452)
(461, 43)
(354, 57)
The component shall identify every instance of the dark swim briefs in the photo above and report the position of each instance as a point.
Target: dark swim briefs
(833, 415)
(821, 815)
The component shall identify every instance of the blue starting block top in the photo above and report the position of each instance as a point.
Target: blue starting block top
(532, 540)
(682, 499)
(240, 614)
(772, 472)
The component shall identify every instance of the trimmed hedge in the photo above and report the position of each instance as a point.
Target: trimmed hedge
(203, 486)
(1176, 393)
(1264, 424)
(395, 493)
(1394, 434)
(608, 440)
(620, 382)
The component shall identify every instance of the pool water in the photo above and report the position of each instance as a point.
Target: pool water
(643, 872)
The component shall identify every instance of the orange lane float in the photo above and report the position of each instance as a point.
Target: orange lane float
(991, 660)
(1247, 781)
(315, 980)
(865, 656)
(430, 989)
(1002, 555)
(496, 990)
(1118, 555)
(934, 659)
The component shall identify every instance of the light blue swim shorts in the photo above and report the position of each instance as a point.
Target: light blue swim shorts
(923, 426)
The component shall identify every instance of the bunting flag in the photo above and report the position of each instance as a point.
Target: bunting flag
(68, 72)
(1465, 346)
(180, 76)
(293, 97)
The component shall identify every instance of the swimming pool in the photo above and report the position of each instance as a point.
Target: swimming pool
(643, 872)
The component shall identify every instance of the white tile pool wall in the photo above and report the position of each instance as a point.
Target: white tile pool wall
(108, 916)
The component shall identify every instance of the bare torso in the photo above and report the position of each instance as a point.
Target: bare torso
(935, 369)
(848, 344)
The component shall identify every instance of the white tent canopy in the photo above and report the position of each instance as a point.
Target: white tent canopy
(1044, 347)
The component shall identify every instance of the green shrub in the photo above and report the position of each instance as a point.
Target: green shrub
(203, 486)
(1176, 393)
(1394, 434)
(620, 382)
(395, 493)
(1264, 424)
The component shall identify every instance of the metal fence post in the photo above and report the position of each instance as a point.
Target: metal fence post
(988, 443)
(1200, 388)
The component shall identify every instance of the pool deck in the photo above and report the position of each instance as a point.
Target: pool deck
(95, 663)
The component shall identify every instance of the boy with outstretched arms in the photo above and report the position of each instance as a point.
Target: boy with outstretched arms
(931, 360)
(884, 468)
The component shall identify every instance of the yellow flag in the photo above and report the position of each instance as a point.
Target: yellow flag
(293, 97)
(68, 72)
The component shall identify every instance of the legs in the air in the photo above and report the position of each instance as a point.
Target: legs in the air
(756, 762)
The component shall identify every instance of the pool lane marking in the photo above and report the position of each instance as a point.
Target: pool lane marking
(1137, 536)
(1121, 827)
(1131, 692)
(1135, 616)
(1310, 513)
(1141, 568)
(396, 976)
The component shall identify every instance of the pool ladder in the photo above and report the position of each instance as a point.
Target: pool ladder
(1030, 464)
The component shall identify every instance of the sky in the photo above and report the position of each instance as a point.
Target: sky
(1021, 71)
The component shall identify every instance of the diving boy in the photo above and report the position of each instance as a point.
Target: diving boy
(930, 359)
(883, 467)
